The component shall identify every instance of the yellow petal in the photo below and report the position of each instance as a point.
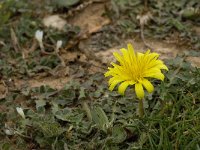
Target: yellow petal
(118, 57)
(131, 50)
(113, 84)
(125, 54)
(122, 87)
(147, 85)
(139, 90)
(151, 71)
(139, 55)
(163, 67)
(113, 79)
(124, 51)
(157, 75)
(108, 73)
(147, 52)
(132, 55)
(153, 56)
(118, 67)
(156, 64)
(130, 47)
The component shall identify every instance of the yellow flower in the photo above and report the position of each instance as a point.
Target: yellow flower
(135, 69)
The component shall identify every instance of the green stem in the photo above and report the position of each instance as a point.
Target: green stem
(141, 108)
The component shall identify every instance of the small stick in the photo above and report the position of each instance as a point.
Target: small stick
(143, 39)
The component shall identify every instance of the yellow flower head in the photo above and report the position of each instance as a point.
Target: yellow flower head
(135, 69)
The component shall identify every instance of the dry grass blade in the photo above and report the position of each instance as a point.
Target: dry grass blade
(14, 40)
(144, 18)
